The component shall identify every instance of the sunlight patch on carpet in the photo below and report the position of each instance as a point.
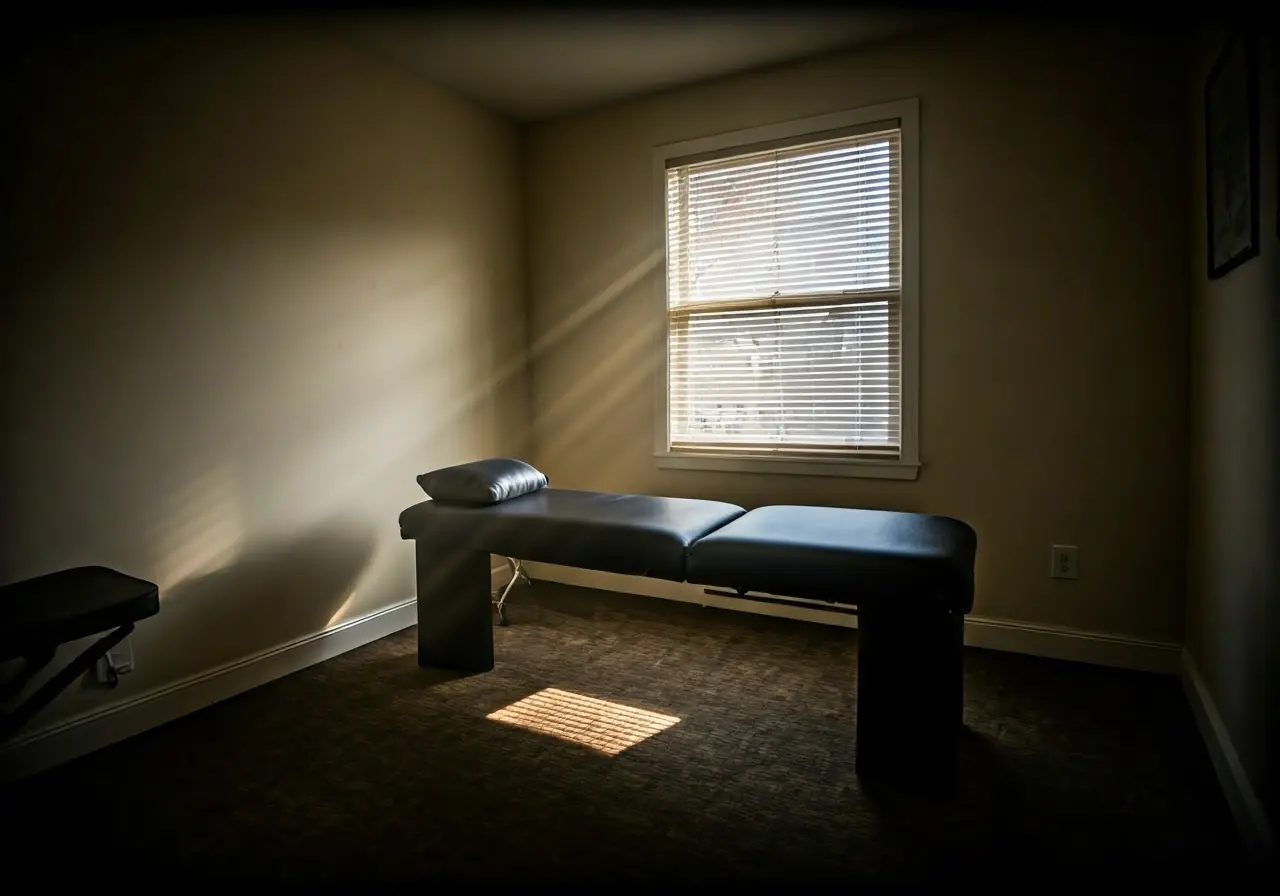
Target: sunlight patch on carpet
(599, 724)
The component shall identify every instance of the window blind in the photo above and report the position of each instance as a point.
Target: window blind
(783, 295)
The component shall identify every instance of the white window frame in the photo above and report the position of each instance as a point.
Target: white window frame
(907, 464)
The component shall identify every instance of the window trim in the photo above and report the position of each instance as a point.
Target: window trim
(907, 464)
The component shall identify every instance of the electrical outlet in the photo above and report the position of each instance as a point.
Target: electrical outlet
(121, 657)
(1062, 559)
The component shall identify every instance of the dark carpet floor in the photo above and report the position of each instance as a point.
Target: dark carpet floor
(368, 768)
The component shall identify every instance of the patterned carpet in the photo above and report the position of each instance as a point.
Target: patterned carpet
(368, 768)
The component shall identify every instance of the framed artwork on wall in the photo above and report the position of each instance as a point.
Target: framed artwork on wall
(1231, 155)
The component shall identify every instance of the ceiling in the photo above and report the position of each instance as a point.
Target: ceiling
(533, 66)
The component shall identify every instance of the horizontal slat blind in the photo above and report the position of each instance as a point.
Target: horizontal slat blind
(784, 299)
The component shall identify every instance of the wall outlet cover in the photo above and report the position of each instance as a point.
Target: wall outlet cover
(1063, 562)
(121, 657)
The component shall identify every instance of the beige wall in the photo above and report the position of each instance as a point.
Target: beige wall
(1054, 303)
(1233, 600)
(254, 282)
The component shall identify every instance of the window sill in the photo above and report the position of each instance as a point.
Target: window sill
(844, 467)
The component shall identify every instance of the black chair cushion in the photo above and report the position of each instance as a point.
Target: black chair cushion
(629, 534)
(69, 604)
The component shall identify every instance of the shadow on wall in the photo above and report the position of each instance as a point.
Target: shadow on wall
(274, 593)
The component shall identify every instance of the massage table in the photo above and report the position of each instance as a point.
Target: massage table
(909, 575)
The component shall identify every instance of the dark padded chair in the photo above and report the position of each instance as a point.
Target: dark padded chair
(37, 615)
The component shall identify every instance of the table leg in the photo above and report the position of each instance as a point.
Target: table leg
(910, 694)
(455, 618)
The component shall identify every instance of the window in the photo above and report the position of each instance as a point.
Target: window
(790, 297)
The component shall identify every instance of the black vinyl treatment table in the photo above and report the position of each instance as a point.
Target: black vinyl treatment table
(910, 576)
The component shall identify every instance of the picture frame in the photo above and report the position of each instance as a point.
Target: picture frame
(1231, 155)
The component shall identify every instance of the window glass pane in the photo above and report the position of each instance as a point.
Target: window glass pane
(801, 376)
(783, 276)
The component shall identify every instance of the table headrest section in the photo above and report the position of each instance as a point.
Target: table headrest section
(628, 534)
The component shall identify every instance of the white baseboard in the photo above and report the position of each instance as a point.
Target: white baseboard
(1057, 642)
(1251, 818)
(106, 725)
(1060, 642)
